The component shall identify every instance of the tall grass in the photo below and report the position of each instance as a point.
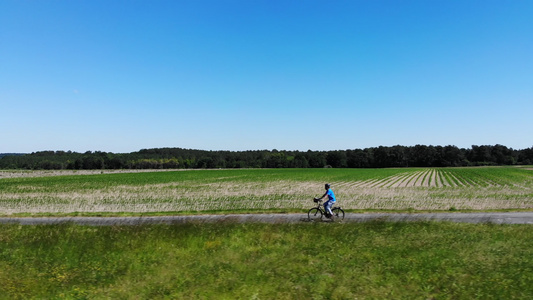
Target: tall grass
(263, 261)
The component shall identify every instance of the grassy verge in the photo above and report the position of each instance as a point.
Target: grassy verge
(264, 261)
(246, 211)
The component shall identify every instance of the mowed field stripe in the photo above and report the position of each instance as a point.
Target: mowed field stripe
(421, 178)
(389, 181)
(445, 178)
(400, 179)
(410, 182)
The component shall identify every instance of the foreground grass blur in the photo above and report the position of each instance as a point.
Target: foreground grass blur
(267, 261)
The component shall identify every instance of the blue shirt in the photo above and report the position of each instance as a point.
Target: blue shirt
(331, 196)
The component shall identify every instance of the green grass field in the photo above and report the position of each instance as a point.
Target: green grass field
(282, 190)
(376, 260)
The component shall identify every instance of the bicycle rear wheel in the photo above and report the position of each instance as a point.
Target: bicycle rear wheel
(338, 213)
(314, 214)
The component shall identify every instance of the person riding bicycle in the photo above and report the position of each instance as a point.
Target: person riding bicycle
(331, 199)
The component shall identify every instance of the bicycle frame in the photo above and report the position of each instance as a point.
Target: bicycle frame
(321, 207)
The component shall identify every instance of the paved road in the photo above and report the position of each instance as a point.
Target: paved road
(496, 218)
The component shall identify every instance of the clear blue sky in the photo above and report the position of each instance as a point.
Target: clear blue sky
(120, 76)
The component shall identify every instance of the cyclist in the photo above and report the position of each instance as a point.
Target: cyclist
(331, 199)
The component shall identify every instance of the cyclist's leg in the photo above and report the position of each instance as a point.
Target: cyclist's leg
(327, 207)
(338, 213)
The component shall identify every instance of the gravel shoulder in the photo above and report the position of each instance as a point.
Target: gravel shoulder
(495, 218)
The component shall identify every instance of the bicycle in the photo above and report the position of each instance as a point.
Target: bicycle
(316, 213)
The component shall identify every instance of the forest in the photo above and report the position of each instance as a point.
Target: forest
(179, 158)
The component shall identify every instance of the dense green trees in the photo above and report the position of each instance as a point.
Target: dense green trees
(377, 157)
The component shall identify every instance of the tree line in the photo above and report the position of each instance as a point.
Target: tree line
(375, 157)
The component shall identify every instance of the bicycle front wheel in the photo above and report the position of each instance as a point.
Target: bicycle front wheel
(338, 213)
(314, 214)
